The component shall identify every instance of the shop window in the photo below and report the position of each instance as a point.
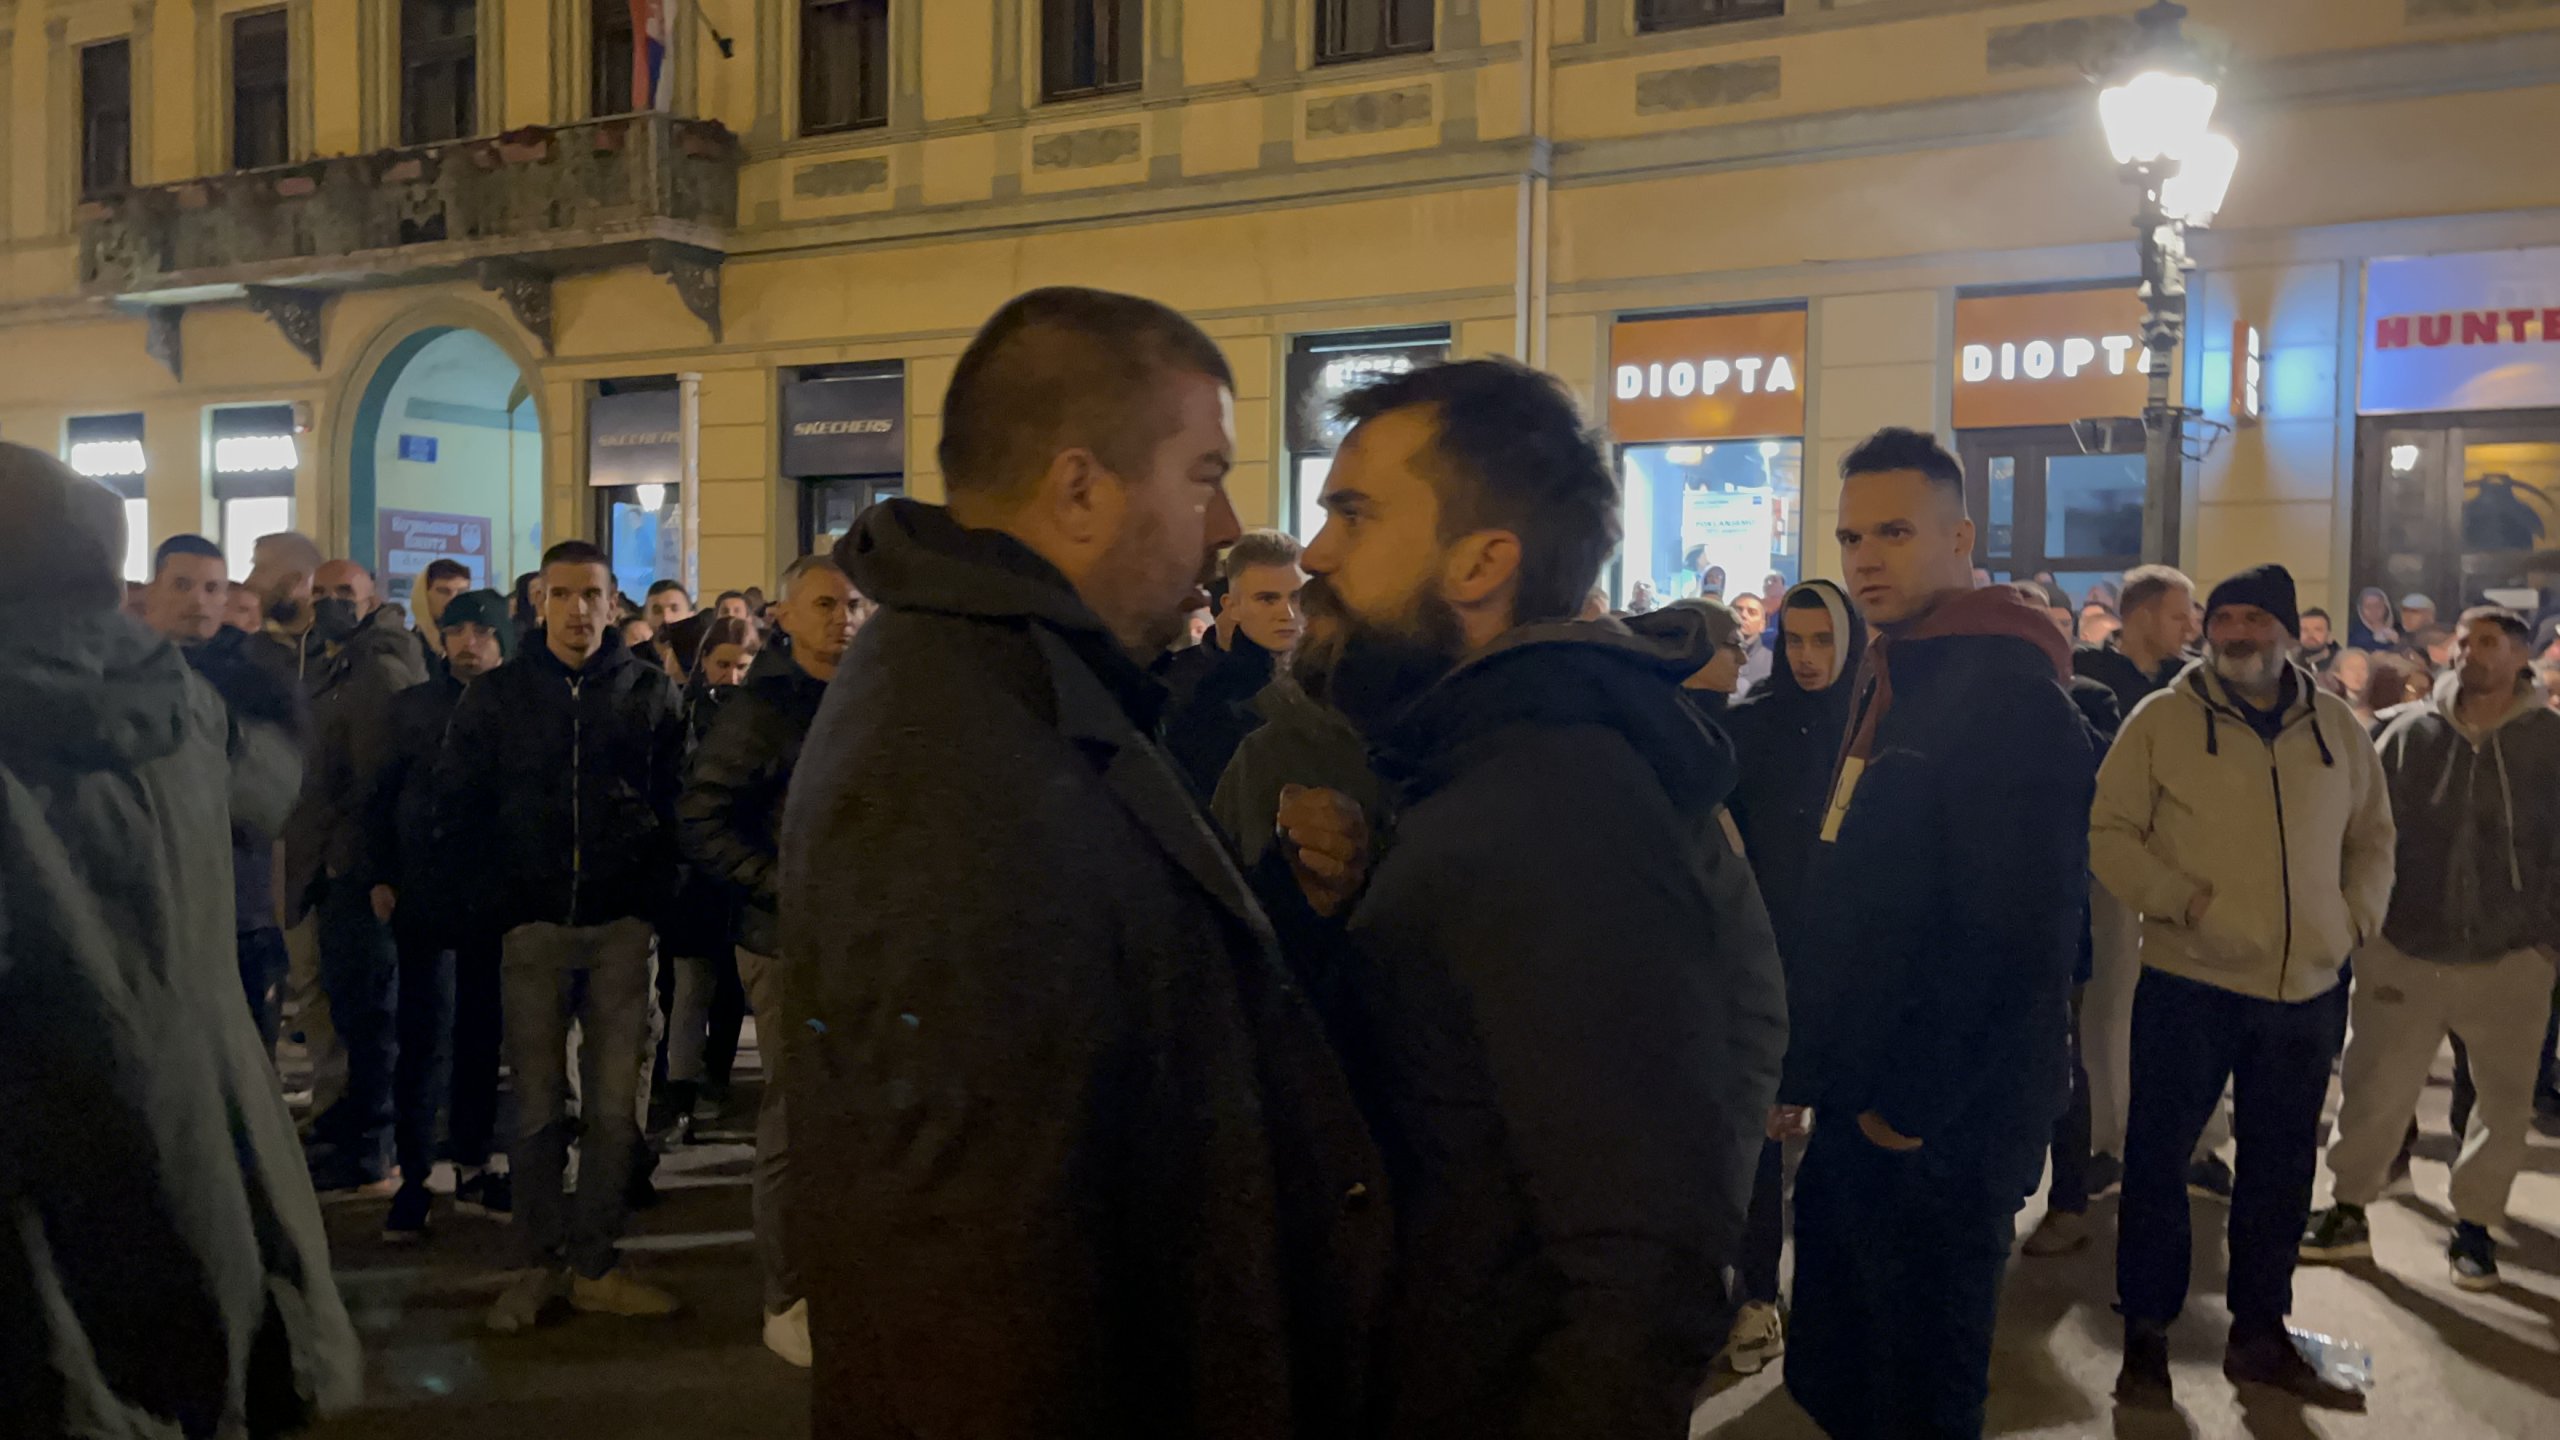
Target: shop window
(1091, 47)
(1368, 29)
(261, 90)
(439, 70)
(108, 449)
(844, 65)
(829, 507)
(255, 455)
(1321, 370)
(1710, 518)
(2464, 510)
(611, 88)
(2043, 506)
(106, 117)
(1685, 14)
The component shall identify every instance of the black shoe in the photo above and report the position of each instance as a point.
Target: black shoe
(485, 1193)
(2546, 1103)
(2274, 1359)
(2106, 1175)
(642, 1192)
(2338, 1233)
(2210, 1179)
(680, 1098)
(407, 1224)
(2474, 1257)
(2144, 1380)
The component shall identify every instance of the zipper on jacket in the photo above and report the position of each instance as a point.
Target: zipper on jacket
(577, 769)
(2284, 863)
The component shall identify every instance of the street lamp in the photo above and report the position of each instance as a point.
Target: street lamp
(2157, 108)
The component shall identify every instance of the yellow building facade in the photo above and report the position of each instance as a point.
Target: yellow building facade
(1904, 206)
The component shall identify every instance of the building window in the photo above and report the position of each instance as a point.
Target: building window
(106, 117)
(1367, 29)
(255, 455)
(108, 449)
(439, 70)
(1091, 47)
(844, 65)
(261, 91)
(612, 88)
(1684, 14)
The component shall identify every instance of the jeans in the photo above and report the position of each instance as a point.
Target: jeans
(602, 977)
(422, 1077)
(360, 973)
(1764, 1228)
(2189, 1040)
(263, 963)
(478, 1042)
(2069, 1192)
(1899, 1258)
(776, 1195)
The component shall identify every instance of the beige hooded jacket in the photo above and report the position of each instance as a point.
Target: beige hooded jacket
(2294, 838)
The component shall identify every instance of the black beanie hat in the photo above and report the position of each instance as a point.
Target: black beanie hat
(2269, 587)
(485, 608)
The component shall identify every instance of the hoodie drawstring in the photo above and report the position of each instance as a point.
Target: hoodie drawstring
(2507, 794)
(2319, 739)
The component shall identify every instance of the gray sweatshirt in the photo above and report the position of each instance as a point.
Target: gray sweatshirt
(2479, 820)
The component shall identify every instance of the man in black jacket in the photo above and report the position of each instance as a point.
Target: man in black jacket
(1082, 1162)
(449, 999)
(1564, 1001)
(731, 826)
(561, 766)
(1258, 626)
(1954, 868)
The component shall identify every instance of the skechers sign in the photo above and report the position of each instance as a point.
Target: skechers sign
(2048, 358)
(844, 425)
(2461, 332)
(1707, 377)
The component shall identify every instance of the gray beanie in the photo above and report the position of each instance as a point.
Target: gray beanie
(61, 535)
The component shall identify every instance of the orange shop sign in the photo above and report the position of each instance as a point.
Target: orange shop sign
(2049, 359)
(1707, 377)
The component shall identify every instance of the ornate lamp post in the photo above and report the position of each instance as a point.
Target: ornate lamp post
(2156, 107)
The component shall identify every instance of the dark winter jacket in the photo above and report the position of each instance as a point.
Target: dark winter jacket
(2114, 669)
(1953, 877)
(257, 695)
(730, 814)
(1299, 742)
(1084, 1164)
(567, 779)
(351, 735)
(2479, 827)
(1786, 742)
(1567, 1017)
(1202, 730)
(401, 814)
(163, 1270)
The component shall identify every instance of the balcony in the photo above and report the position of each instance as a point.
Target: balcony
(511, 211)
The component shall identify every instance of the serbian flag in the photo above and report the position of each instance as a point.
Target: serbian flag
(653, 80)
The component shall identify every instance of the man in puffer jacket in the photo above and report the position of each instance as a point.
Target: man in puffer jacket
(2474, 772)
(2246, 820)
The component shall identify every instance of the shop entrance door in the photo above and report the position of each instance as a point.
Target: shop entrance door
(2041, 504)
(2462, 508)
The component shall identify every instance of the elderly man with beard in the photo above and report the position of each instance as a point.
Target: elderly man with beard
(1565, 1001)
(2244, 817)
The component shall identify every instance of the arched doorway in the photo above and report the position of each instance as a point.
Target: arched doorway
(446, 461)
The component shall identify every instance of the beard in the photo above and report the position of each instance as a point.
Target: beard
(1371, 670)
(2247, 666)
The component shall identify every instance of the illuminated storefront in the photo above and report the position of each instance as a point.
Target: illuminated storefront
(1323, 369)
(108, 449)
(1708, 414)
(844, 446)
(635, 467)
(255, 454)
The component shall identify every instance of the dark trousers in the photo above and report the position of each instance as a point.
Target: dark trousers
(728, 1021)
(2069, 1191)
(422, 1077)
(1764, 1228)
(1898, 1265)
(2189, 1039)
(263, 963)
(360, 973)
(479, 1038)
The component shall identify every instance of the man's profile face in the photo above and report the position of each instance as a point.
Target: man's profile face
(2315, 630)
(668, 606)
(1904, 540)
(1165, 525)
(243, 611)
(186, 601)
(577, 600)
(1813, 646)
(821, 613)
(1380, 627)
(439, 593)
(1265, 600)
(471, 649)
(2166, 623)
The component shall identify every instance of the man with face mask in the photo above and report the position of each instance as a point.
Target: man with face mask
(1082, 1160)
(1566, 1001)
(354, 663)
(2245, 820)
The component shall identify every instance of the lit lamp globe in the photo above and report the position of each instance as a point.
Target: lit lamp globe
(2194, 194)
(2156, 115)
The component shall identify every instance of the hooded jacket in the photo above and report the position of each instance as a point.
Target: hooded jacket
(562, 785)
(1567, 1018)
(1084, 1162)
(351, 694)
(401, 812)
(1787, 740)
(266, 710)
(163, 1269)
(1953, 872)
(2293, 836)
(1203, 727)
(729, 817)
(2478, 814)
(1299, 742)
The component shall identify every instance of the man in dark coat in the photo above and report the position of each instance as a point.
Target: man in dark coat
(1564, 1001)
(1258, 626)
(1083, 1163)
(1933, 1048)
(165, 1270)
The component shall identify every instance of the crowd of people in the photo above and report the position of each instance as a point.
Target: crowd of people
(1211, 986)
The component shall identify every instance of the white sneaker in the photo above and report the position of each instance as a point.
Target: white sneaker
(616, 1293)
(1759, 1337)
(520, 1308)
(787, 1334)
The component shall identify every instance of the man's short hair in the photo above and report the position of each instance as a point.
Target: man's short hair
(2502, 617)
(1258, 547)
(1062, 367)
(182, 545)
(444, 570)
(2315, 613)
(727, 595)
(575, 552)
(805, 565)
(1510, 452)
(661, 587)
(290, 549)
(2146, 583)
(1897, 448)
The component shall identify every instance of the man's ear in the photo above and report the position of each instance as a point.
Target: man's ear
(1481, 568)
(1079, 499)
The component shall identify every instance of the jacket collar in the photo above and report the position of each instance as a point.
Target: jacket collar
(2206, 689)
(2447, 695)
(613, 656)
